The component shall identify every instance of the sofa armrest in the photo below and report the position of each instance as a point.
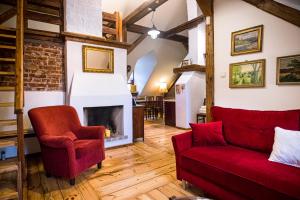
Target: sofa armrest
(182, 142)
(56, 141)
(91, 132)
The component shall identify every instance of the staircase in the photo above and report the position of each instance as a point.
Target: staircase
(11, 117)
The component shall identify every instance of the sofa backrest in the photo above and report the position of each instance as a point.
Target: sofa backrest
(254, 129)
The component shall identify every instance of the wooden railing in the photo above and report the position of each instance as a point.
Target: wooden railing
(19, 90)
(112, 26)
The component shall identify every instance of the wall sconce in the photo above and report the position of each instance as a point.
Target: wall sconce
(163, 87)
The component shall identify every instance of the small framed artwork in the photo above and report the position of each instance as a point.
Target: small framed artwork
(288, 70)
(247, 41)
(97, 59)
(249, 74)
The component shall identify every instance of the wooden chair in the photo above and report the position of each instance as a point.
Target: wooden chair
(159, 105)
(149, 107)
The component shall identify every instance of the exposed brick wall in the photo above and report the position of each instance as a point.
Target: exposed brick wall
(43, 66)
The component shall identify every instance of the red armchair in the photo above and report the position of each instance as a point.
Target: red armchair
(67, 147)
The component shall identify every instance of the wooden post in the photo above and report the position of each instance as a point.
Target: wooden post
(209, 66)
(119, 27)
(207, 8)
(19, 88)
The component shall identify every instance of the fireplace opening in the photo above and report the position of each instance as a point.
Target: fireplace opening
(110, 116)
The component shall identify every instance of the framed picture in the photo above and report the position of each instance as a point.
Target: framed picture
(247, 74)
(288, 70)
(96, 59)
(247, 41)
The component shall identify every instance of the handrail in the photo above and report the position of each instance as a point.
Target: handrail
(19, 93)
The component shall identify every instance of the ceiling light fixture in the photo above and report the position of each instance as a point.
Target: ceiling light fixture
(153, 32)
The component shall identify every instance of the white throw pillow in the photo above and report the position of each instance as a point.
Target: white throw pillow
(286, 147)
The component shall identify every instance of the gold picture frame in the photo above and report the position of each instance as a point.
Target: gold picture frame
(97, 59)
(247, 41)
(248, 74)
(288, 70)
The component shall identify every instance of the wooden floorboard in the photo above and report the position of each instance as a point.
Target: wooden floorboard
(142, 171)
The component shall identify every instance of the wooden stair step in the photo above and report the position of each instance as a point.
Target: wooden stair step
(13, 133)
(9, 165)
(8, 59)
(8, 36)
(7, 143)
(7, 104)
(7, 88)
(8, 122)
(8, 190)
(4, 28)
(7, 47)
(7, 73)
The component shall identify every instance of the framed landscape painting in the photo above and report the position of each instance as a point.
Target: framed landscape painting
(247, 41)
(288, 70)
(247, 74)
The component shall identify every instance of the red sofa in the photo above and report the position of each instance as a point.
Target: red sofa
(240, 169)
(67, 147)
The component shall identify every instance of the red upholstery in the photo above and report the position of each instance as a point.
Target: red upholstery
(67, 147)
(235, 171)
(244, 170)
(207, 134)
(254, 129)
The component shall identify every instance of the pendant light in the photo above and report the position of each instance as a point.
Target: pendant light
(153, 32)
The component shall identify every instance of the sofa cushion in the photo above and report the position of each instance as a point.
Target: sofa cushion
(286, 148)
(207, 134)
(254, 129)
(84, 148)
(243, 171)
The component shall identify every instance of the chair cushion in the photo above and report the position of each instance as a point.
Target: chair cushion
(83, 148)
(207, 134)
(254, 129)
(243, 171)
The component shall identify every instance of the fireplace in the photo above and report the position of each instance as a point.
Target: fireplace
(98, 104)
(109, 116)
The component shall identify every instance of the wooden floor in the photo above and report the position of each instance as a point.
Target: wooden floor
(145, 170)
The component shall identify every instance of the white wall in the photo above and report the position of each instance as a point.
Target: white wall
(32, 99)
(143, 70)
(190, 99)
(73, 60)
(168, 55)
(84, 17)
(280, 39)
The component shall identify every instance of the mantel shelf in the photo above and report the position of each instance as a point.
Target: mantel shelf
(190, 68)
(94, 40)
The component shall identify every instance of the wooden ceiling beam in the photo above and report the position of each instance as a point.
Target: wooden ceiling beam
(136, 43)
(206, 7)
(277, 9)
(7, 15)
(144, 30)
(142, 11)
(185, 26)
